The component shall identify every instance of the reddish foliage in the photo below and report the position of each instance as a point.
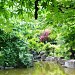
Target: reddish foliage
(44, 36)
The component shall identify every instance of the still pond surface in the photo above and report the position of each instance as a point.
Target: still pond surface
(42, 68)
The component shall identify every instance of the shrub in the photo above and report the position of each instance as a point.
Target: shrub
(10, 48)
(44, 35)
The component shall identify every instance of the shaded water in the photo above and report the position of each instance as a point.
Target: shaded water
(42, 68)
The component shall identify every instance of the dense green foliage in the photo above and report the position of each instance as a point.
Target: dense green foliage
(13, 50)
(20, 32)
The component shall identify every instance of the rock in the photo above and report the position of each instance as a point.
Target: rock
(55, 59)
(38, 57)
(61, 61)
(34, 53)
(64, 66)
(1, 67)
(42, 52)
(8, 67)
(70, 63)
(43, 57)
(50, 58)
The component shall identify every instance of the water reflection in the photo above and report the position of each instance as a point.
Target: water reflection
(69, 71)
(16, 72)
(40, 69)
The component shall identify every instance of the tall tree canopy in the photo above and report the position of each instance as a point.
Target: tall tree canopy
(18, 16)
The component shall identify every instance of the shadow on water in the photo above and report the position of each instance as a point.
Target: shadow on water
(40, 68)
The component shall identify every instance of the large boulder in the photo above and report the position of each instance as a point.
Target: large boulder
(70, 63)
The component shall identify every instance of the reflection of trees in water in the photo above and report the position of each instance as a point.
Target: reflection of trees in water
(69, 71)
(16, 72)
(43, 67)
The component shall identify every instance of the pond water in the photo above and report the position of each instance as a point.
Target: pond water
(42, 68)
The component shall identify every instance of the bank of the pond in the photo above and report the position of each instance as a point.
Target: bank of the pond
(40, 68)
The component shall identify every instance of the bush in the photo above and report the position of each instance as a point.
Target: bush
(44, 36)
(10, 48)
